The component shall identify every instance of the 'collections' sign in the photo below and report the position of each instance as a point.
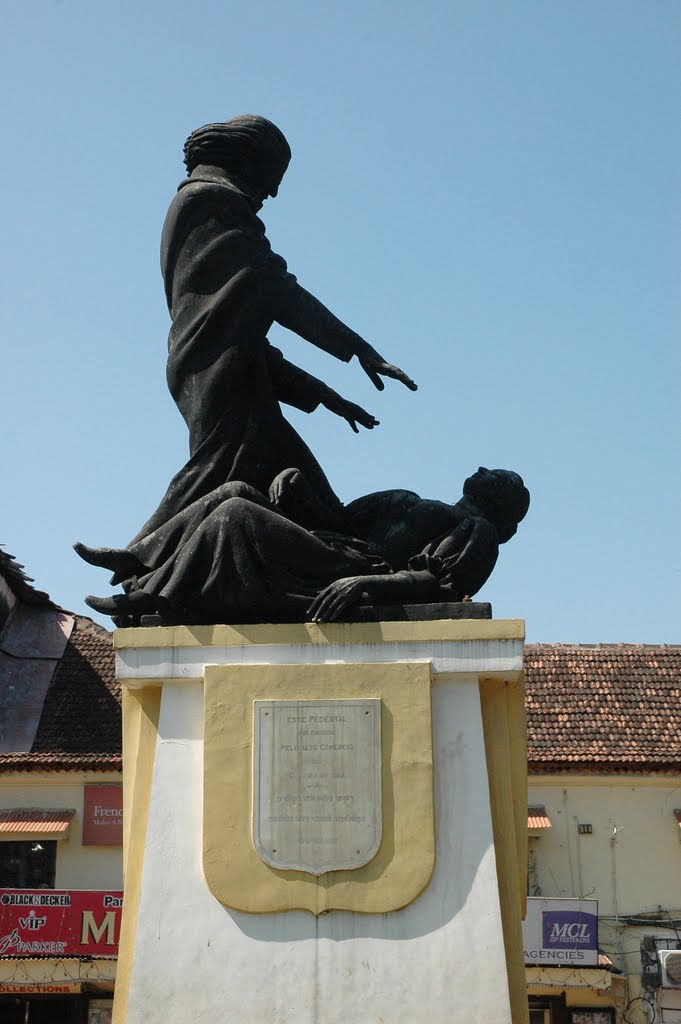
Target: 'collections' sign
(103, 815)
(59, 922)
(59, 988)
(561, 932)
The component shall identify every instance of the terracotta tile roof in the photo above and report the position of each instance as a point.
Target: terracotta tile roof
(80, 724)
(590, 708)
(537, 817)
(58, 761)
(603, 707)
(27, 819)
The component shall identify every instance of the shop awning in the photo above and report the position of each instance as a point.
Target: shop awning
(598, 979)
(18, 823)
(537, 817)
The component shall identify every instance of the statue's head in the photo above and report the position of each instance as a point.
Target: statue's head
(249, 146)
(501, 496)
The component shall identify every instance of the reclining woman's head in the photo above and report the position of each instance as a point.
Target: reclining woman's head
(501, 496)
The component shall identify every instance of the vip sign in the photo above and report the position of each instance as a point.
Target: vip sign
(561, 932)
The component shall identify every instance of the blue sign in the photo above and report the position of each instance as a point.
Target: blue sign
(569, 929)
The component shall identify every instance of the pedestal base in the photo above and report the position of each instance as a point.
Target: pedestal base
(453, 953)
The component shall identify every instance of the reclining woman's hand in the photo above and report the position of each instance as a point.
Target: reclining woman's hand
(388, 588)
(354, 414)
(334, 599)
(375, 367)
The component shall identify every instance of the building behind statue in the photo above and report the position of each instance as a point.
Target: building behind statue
(604, 821)
(604, 826)
(60, 810)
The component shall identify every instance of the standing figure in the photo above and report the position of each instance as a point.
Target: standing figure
(225, 288)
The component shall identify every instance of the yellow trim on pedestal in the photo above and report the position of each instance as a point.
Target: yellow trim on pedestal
(326, 633)
(404, 864)
(141, 710)
(503, 720)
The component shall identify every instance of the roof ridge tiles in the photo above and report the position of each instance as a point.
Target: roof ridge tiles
(601, 646)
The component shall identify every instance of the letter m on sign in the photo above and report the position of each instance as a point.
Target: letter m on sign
(90, 927)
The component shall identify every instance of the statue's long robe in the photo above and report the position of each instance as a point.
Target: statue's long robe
(225, 287)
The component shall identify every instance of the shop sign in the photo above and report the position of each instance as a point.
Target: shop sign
(103, 815)
(54, 988)
(59, 922)
(561, 932)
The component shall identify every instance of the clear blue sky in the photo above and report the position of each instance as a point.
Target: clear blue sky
(487, 191)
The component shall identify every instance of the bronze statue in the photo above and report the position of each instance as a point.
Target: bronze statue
(233, 556)
(250, 528)
(225, 288)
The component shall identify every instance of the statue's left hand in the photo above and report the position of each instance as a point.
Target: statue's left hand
(375, 367)
(335, 598)
(354, 414)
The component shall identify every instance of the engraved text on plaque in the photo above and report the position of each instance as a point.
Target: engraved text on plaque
(317, 783)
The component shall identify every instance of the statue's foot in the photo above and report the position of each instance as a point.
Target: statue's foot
(118, 560)
(134, 604)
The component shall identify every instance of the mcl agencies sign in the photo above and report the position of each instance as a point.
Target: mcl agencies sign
(561, 932)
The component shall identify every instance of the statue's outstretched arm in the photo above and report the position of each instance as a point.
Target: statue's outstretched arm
(300, 389)
(301, 312)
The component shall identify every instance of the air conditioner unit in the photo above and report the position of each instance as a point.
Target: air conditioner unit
(670, 968)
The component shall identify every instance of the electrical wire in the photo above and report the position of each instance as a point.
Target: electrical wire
(648, 1005)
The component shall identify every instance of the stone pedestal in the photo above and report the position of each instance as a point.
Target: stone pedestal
(358, 857)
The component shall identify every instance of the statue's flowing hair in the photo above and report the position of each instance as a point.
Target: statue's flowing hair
(247, 141)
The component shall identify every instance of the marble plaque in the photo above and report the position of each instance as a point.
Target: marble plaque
(317, 783)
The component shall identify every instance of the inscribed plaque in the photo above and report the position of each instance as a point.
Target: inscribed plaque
(317, 783)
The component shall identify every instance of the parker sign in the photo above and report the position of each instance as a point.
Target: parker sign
(561, 932)
(59, 922)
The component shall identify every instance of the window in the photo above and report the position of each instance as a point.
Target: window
(547, 1009)
(28, 864)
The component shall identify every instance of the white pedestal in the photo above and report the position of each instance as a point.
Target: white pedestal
(441, 959)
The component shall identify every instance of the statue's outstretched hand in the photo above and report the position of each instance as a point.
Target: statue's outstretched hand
(354, 414)
(375, 367)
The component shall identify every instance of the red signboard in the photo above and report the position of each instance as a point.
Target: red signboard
(58, 988)
(103, 815)
(59, 922)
